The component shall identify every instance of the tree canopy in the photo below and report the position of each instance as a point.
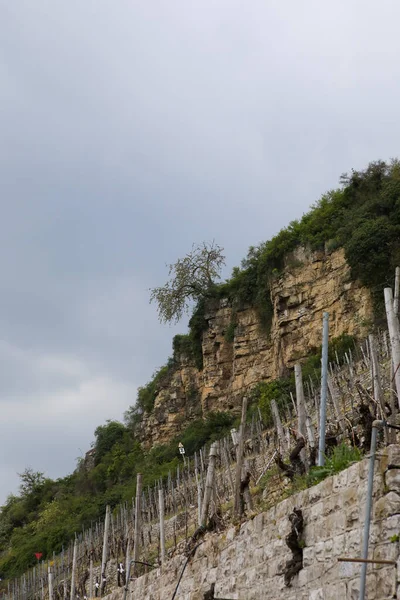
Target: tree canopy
(191, 278)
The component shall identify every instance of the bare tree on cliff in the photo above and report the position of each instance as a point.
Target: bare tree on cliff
(191, 279)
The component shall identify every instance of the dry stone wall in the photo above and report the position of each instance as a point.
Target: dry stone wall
(247, 562)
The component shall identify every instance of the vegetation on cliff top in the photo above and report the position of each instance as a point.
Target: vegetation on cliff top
(362, 216)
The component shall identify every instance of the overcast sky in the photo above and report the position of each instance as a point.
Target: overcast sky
(131, 129)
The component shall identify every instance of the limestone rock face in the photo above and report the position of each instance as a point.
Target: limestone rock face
(311, 283)
(176, 405)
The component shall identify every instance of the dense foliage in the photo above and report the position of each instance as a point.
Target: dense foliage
(362, 216)
(46, 514)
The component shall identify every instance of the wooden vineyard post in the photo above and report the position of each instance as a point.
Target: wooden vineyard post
(50, 583)
(128, 555)
(209, 484)
(377, 387)
(239, 458)
(91, 579)
(136, 541)
(162, 525)
(278, 425)
(301, 409)
(73, 575)
(393, 326)
(228, 466)
(335, 401)
(198, 484)
(392, 399)
(396, 292)
(246, 492)
(105, 549)
(310, 433)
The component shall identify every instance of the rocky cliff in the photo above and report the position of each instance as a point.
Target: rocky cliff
(311, 283)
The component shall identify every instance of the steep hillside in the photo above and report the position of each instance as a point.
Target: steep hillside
(244, 337)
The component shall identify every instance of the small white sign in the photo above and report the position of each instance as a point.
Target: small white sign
(234, 435)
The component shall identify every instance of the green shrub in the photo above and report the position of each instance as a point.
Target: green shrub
(201, 431)
(197, 326)
(182, 344)
(264, 392)
(369, 249)
(191, 344)
(341, 458)
(265, 480)
(340, 345)
(337, 347)
(106, 436)
(230, 332)
(147, 393)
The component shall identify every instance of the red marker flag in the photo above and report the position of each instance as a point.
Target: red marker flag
(38, 555)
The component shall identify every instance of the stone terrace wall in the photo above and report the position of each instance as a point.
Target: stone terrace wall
(247, 562)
